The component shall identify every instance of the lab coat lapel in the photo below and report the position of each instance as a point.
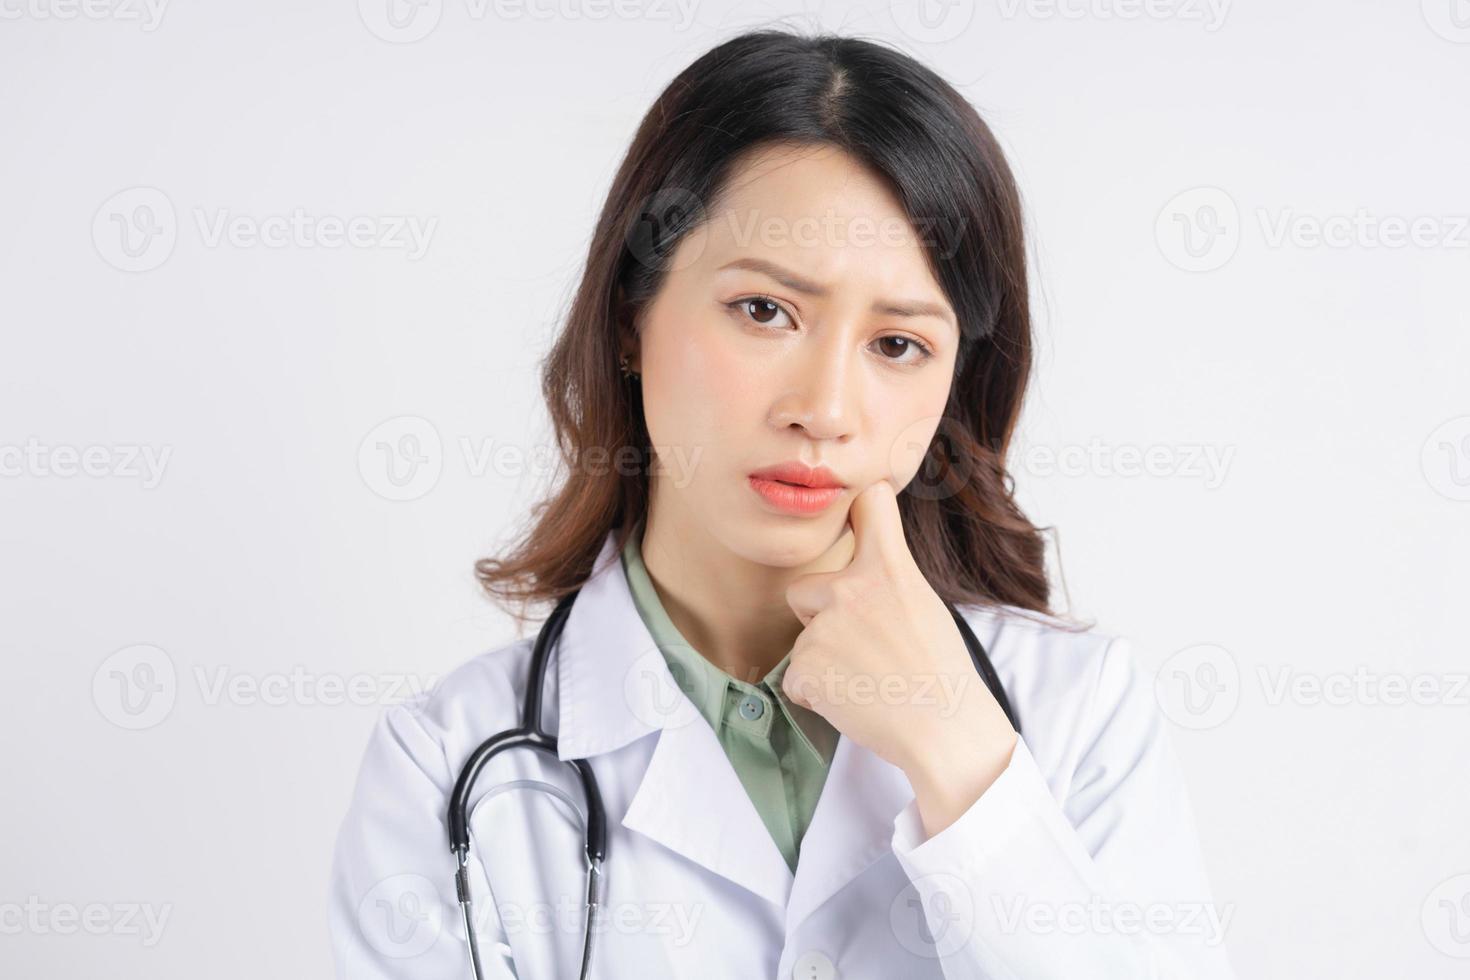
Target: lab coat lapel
(851, 827)
(691, 801)
(614, 686)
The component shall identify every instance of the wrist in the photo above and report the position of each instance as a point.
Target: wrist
(949, 779)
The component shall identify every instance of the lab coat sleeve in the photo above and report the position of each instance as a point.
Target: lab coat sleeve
(392, 909)
(1107, 883)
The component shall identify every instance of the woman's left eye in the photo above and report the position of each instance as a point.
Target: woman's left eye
(908, 344)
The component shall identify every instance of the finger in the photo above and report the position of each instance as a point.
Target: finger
(794, 686)
(810, 594)
(877, 526)
(839, 556)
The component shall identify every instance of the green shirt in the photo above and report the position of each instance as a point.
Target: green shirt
(780, 750)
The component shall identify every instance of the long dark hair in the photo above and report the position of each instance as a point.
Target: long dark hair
(913, 129)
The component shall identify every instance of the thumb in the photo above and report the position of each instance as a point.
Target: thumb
(877, 526)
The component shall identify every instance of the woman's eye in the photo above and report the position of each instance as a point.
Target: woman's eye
(761, 309)
(902, 345)
(766, 312)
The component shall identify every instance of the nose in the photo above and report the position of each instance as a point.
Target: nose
(822, 389)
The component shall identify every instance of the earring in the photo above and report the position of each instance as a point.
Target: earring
(628, 372)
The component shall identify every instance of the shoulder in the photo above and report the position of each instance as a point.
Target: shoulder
(1077, 689)
(1042, 650)
(392, 840)
(439, 726)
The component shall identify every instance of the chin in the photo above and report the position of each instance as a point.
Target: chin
(782, 544)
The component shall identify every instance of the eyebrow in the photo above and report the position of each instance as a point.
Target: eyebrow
(887, 307)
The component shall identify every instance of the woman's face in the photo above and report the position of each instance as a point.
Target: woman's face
(800, 323)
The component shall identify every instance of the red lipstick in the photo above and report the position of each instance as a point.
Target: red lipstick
(795, 488)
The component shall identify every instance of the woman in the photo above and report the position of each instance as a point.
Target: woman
(785, 392)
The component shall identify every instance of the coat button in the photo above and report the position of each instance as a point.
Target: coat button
(813, 965)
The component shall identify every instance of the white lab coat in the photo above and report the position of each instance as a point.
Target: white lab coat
(1079, 862)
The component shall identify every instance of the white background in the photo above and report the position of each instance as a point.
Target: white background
(1330, 379)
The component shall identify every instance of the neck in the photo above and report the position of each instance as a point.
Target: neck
(731, 609)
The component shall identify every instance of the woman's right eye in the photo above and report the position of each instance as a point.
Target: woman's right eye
(761, 310)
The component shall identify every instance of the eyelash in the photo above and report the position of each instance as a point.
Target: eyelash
(738, 306)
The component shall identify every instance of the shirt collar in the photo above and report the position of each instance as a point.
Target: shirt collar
(701, 681)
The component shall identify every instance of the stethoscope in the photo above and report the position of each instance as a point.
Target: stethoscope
(531, 735)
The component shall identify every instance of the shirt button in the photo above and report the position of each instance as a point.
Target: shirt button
(813, 965)
(752, 707)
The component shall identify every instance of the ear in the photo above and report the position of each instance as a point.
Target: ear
(628, 347)
(626, 323)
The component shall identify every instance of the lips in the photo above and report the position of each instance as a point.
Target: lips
(797, 489)
(799, 474)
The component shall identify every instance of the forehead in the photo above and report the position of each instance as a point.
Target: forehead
(820, 211)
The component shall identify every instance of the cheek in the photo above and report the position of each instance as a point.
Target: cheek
(697, 382)
(914, 423)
